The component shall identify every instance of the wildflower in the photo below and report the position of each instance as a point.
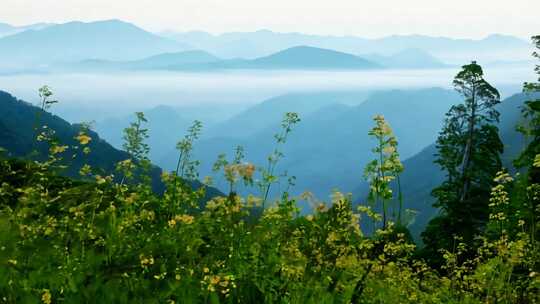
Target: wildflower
(100, 180)
(247, 171)
(207, 180)
(536, 162)
(58, 149)
(46, 296)
(83, 138)
(146, 261)
(85, 170)
(184, 218)
(165, 176)
(12, 262)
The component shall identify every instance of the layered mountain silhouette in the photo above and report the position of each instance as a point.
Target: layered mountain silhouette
(330, 146)
(265, 42)
(306, 57)
(97, 43)
(295, 58)
(409, 58)
(176, 60)
(76, 41)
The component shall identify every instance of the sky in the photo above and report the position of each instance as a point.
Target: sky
(367, 18)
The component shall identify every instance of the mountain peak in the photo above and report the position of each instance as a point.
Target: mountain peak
(309, 57)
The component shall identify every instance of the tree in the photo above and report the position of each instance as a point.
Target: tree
(531, 111)
(528, 189)
(469, 150)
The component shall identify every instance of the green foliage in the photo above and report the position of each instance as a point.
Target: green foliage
(186, 167)
(101, 242)
(469, 150)
(268, 177)
(134, 137)
(381, 171)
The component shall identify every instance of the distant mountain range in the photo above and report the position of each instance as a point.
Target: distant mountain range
(408, 58)
(76, 41)
(114, 44)
(295, 58)
(177, 60)
(449, 50)
(306, 57)
(330, 147)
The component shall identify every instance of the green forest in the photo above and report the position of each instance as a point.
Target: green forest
(81, 222)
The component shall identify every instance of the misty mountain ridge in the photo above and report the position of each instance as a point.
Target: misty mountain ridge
(295, 58)
(176, 60)
(75, 41)
(93, 45)
(265, 42)
(307, 57)
(408, 58)
(8, 29)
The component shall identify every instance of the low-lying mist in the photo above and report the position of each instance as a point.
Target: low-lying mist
(86, 96)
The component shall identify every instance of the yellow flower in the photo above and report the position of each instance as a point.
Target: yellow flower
(46, 296)
(248, 171)
(146, 261)
(184, 218)
(12, 262)
(83, 138)
(58, 149)
(536, 162)
(100, 180)
(171, 223)
(85, 170)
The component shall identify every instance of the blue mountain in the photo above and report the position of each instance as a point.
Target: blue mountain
(306, 57)
(75, 41)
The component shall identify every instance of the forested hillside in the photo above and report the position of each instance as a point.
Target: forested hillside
(22, 123)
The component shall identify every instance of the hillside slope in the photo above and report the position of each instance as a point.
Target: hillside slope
(17, 124)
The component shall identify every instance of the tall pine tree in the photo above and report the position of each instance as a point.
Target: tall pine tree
(469, 150)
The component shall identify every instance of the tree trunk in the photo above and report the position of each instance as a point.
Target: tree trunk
(467, 153)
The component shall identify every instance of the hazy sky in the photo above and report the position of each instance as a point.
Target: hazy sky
(370, 18)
